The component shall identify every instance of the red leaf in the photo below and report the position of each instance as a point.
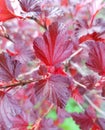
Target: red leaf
(55, 89)
(59, 70)
(95, 127)
(5, 14)
(23, 8)
(64, 2)
(86, 33)
(9, 68)
(96, 60)
(14, 7)
(77, 96)
(54, 46)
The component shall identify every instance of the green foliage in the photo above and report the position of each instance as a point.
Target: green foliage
(72, 106)
(69, 124)
(30, 126)
(52, 114)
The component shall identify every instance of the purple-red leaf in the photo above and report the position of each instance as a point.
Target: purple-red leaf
(19, 123)
(89, 81)
(101, 123)
(96, 60)
(9, 108)
(30, 5)
(55, 89)
(9, 68)
(21, 52)
(54, 46)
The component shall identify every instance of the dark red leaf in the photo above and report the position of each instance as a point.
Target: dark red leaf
(54, 46)
(89, 81)
(54, 89)
(103, 91)
(86, 119)
(83, 120)
(9, 68)
(96, 60)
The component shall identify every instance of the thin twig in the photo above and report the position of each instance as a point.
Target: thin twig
(102, 98)
(81, 85)
(38, 22)
(21, 76)
(22, 83)
(7, 37)
(37, 124)
(75, 53)
(94, 106)
(78, 68)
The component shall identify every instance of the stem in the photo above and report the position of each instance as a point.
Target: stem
(7, 37)
(37, 124)
(38, 22)
(102, 98)
(75, 53)
(21, 76)
(22, 83)
(81, 85)
(94, 106)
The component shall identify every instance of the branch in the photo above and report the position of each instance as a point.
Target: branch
(75, 53)
(88, 100)
(37, 124)
(81, 85)
(7, 37)
(38, 22)
(94, 106)
(22, 83)
(4, 34)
